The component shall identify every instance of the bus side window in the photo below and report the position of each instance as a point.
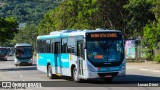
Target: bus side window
(57, 48)
(52, 46)
(64, 45)
(71, 44)
(48, 46)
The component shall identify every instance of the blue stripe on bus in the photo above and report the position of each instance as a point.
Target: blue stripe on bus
(110, 69)
(43, 59)
(53, 36)
(62, 60)
(65, 60)
(47, 37)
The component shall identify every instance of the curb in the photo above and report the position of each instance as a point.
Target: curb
(143, 69)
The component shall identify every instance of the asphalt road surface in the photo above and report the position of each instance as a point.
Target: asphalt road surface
(132, 81)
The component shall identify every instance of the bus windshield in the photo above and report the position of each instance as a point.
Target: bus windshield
(3, 51)
(24, 52)
(107, 50)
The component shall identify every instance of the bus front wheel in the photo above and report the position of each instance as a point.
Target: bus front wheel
(75, 75)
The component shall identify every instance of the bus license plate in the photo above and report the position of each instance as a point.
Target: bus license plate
(108, 76)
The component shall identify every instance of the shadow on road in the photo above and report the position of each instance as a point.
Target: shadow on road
(10, 60)
(2, 60)
(129, 79)
(25, 64)
(20, 68)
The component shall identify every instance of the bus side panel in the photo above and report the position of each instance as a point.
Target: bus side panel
(65, 60)
(65, 64)
(43, 60)
(122, 71)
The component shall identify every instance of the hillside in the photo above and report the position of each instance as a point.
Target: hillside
(26, 11)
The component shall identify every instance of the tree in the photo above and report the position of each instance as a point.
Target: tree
(151, 37)
(26, 11)
(62, 17)
(139, 15)
(26, 35)
(8, 28)
(88, 14)
(152, 33)
(156, 9)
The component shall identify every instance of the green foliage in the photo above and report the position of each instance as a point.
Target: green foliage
(151, 32)
(112, 14)
(26, 35)
(156, 9)
(26, 11)
(157, 58)
(148, 53)
(8, 27)
(139, 15)
(84, 14)
(151, 35)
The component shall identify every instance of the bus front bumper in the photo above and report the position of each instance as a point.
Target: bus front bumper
(23, 61)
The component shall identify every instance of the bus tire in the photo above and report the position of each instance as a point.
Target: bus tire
(108, 80)
(49, 72)
(16, 64)
(75, 75)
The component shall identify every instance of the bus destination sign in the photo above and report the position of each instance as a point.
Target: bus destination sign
(103, 35)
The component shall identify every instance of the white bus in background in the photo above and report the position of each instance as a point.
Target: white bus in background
(23, 54)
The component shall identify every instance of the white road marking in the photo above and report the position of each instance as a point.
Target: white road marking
(19, 74)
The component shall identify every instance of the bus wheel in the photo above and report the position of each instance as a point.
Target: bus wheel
(75, 75)
(16, 64)
(49, 72)
(108, 80)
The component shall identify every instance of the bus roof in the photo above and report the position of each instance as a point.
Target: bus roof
(22, 44)
(67, 33)
(5, 47)
(2, 47)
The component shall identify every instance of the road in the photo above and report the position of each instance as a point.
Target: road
(9, 72)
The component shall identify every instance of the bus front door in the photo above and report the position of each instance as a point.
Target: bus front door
(80, 54)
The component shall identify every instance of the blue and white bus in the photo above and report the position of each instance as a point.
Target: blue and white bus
(23, 54)
(82, 54)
